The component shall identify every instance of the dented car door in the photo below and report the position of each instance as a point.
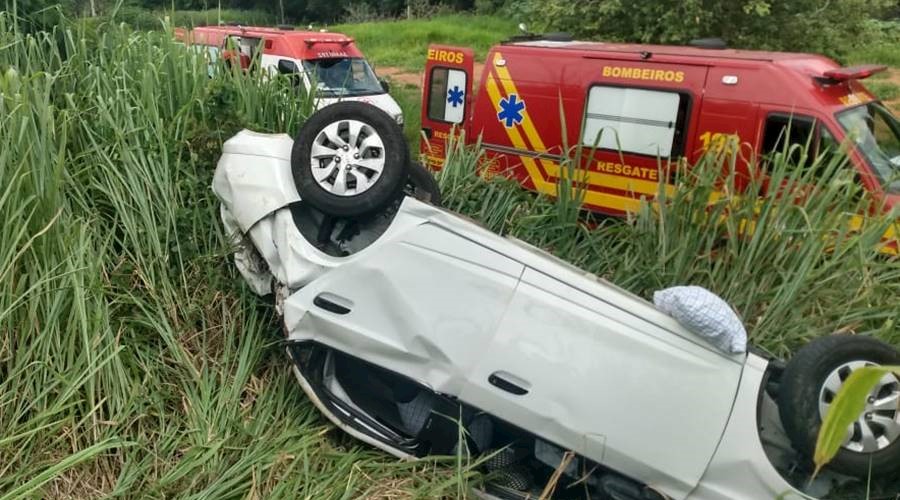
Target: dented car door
(424, 305)
(637, 397)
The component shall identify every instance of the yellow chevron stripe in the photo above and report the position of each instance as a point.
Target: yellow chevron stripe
(542, 185)
(552, 168)
(510, 87)
(628, 184)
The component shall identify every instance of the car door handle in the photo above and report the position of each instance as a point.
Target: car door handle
(333, 303)
(509, 383)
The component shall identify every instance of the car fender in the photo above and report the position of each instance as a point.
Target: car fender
(740, 468)
(253, 176)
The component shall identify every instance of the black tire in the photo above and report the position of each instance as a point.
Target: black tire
(386, 185)
(422, 185)
(800, 388)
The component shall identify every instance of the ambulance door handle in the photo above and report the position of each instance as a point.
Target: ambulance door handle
(427, 132)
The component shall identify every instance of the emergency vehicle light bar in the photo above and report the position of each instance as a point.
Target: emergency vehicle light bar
(342, 41)
(854, 72)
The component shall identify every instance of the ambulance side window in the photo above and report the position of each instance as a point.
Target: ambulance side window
(788, 134)
(245, 46)
(446, 95)
(796, 135)
(290, 68)
(233, 43)
(786, 131)
(641, 121)
(829, 147)
(287, 67)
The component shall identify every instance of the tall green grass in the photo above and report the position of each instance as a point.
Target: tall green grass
(132, 361)
(884, 89)
(878, 44)
(404, 43)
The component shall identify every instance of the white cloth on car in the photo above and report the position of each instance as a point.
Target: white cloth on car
(705, 314)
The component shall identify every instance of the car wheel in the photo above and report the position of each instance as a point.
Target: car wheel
(808, 386)
(349, 159)
(422, 185)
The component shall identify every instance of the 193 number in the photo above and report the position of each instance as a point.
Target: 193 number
(718, 141)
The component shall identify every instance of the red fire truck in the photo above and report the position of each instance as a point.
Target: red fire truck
(655, 104)
(330, 61)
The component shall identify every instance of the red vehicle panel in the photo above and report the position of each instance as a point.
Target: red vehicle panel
(647, 108)
(284, 43)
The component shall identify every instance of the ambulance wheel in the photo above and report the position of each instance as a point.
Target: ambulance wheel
(422, 185)
(349, 159)
(808, 386)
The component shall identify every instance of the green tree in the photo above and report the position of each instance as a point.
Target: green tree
(39, 14)
(801, 25)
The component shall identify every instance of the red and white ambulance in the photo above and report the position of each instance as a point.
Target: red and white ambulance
(656, 105)
(329, 61)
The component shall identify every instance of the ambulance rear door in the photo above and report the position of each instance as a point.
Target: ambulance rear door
(445, 99)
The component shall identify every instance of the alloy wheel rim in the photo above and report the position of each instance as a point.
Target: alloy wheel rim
(879, 424)
(347, 158)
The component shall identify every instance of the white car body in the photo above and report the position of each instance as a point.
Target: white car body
(453, 306)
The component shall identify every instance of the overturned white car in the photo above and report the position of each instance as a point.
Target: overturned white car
(407, 324)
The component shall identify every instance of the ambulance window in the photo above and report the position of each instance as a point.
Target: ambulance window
(788, 134)
(247, 46)
(359, 69)
(640, 121)
(828, 145)
(446, 95)
(290, 68)
(287, 67)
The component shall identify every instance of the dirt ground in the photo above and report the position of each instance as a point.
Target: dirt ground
(400, 75)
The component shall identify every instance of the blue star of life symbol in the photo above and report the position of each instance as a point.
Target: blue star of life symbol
(511, 110)
(455, 96)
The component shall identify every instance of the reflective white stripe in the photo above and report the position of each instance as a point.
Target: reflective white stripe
(456, 88)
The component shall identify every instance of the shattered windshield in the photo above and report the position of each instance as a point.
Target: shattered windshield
(342, 77)
(876, 134)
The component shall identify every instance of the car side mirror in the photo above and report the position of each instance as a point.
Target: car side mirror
(385, 86)
(287, 67)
